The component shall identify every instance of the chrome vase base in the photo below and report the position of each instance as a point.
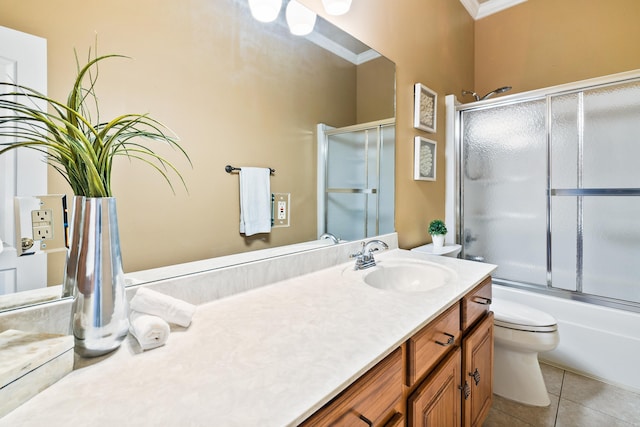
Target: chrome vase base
(94, 266)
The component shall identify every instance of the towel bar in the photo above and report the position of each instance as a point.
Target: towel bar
(230, 169)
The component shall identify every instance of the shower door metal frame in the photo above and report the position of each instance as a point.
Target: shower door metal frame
(377, 125)
(547, 94)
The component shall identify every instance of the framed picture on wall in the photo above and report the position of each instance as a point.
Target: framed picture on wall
(424, 167)
(424, 108)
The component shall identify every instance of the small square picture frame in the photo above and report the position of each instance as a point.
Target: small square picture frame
(424, 108)
(425, 153)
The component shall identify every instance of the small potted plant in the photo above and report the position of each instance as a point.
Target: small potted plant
(437, 229)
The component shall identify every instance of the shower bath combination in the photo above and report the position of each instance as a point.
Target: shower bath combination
(488, 95)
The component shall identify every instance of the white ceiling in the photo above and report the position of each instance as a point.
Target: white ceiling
(481, 8)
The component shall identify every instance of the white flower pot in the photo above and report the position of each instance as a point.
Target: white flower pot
(438, 240)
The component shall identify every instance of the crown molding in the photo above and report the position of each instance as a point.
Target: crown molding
(479, 10)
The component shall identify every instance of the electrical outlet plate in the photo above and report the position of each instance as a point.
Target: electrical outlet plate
(281, 209)
(41, 223)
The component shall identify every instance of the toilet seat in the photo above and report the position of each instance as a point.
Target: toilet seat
(525, 328)
(511, 315)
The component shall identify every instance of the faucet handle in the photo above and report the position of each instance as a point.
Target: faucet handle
(359, 253)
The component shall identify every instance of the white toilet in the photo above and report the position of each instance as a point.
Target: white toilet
(520, 333)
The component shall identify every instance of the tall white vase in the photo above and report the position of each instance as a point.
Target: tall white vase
(100, 311)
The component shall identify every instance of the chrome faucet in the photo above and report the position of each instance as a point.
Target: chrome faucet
(329, 236)
(364, 258)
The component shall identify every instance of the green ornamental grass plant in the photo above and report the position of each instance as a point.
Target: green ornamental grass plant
(82, 150)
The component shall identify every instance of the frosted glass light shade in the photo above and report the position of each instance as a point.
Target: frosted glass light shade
(300, 19)
(265, 10)
(336, 7)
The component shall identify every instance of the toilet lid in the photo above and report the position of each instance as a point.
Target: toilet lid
(512, 315)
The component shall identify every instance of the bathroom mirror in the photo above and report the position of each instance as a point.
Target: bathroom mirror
(235, 90)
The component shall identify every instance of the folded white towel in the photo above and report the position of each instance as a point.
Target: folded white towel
(167, 307)
(255, 200)
(150, 331)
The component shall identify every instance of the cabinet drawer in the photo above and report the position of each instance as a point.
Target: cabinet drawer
(373, 396)
(431, 343)
(476, 303)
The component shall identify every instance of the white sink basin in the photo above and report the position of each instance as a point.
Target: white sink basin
(406, 275)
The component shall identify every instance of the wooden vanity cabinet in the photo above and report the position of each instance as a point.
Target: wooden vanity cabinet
(375, 399)
(477, 372)
(442, 376)
(475, 304)
(436, 402)
(429, 345)
(459, 390)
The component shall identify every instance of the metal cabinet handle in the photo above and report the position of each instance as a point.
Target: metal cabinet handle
(366, 420)
(476, 376)
(466, 390)
(482, 300)
(450, 341)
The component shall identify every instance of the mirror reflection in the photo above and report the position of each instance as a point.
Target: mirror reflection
(237, 92)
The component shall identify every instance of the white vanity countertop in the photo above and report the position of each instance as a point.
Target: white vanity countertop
(268, 357)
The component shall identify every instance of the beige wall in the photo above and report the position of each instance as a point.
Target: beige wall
(542, 43)
(376, 101)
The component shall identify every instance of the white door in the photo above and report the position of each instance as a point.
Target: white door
(23, 60)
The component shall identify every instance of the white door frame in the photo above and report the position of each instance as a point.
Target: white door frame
(23, 172)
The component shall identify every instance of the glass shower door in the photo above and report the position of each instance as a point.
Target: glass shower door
(550, 190)
(594, 191)
(359, 190)
(503, 189)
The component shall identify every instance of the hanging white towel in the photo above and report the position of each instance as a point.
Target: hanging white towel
(255, 200)
(150, 331)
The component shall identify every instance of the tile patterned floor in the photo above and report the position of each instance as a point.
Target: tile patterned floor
(576, 401)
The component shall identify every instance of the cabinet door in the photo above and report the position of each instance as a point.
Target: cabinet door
(436, 403)
(372, 400)
(477, 366)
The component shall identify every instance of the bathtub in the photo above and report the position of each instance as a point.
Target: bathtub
(595, 341)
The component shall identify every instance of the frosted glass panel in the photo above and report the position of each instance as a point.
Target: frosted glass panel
(564, 141)
(345, 215)
(346, 161)
(360, 170)
(612, 247)
(504, 182)
(611, 136)
(564, 235)
(593, 151)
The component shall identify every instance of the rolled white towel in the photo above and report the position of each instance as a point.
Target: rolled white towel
(167, 307)
(150, 331)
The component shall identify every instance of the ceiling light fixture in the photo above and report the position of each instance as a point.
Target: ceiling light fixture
(265, 10)
(336, 7)
(300, 19)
